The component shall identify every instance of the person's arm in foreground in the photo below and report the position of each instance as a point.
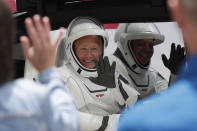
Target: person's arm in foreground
(59, 111)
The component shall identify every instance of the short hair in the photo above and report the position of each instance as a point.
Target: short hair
(190, 7)
(7, 40)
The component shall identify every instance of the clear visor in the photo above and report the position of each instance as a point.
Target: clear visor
(158, 38)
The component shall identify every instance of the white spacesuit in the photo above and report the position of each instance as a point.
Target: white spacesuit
(98, 106)
(144, 79)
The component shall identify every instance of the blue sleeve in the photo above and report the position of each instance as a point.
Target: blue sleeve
(58, 108)
(50, 74)
(172, 110)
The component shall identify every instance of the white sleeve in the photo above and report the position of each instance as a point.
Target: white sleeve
(90, 122)
(130, 91)
(124, 94)
(160, 83)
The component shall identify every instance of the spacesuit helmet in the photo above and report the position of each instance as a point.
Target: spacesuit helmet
(78, 28)
(127, 32)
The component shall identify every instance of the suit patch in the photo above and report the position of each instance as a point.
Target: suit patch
(99, 95)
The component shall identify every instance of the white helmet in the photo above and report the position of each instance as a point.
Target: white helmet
(80, 27)
(127, 32)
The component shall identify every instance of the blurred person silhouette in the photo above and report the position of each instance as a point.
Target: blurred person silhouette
(26, 105)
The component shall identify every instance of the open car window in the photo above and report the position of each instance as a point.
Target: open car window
(110, 13)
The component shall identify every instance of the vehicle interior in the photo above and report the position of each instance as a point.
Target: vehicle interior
(61, 12)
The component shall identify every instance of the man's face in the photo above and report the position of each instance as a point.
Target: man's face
(143, 50)
(87, 49)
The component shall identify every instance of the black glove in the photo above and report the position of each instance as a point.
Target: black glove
(177, 56)
(106, 73)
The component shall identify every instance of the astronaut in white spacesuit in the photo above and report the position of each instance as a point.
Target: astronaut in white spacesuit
(135, 43)
(100, 93)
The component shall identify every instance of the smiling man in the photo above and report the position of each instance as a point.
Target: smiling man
(88, 49)
(99, 93)
(143, 50)
(133, 56)
(136, 43)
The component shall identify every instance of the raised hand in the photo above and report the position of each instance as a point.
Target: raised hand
(106, 73)
(177, 56)
(37, 47)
